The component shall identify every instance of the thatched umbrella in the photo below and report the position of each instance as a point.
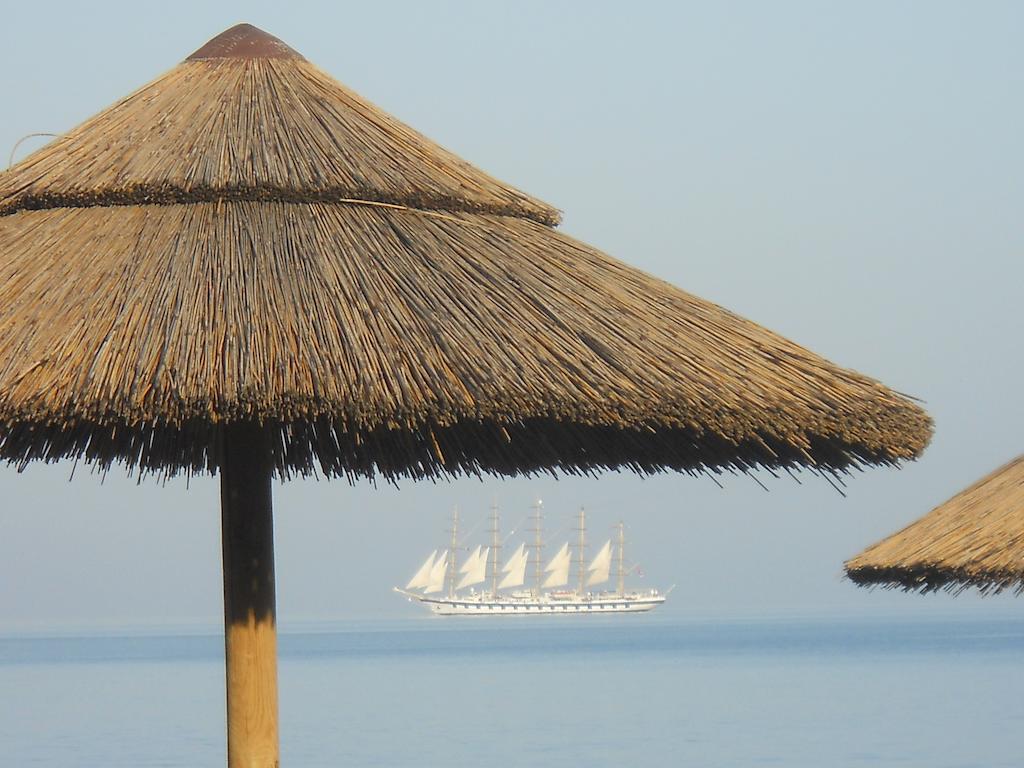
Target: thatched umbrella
(975, 539)
(246, 268)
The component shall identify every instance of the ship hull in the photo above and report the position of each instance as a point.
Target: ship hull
(544, 606)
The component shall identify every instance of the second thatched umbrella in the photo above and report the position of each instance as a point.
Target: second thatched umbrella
(246, 268)
(975, 539)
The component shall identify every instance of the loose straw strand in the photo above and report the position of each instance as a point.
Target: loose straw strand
(14, 149)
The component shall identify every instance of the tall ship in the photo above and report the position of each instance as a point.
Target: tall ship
(449, 587)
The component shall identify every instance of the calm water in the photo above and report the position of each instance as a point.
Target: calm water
(578, 692)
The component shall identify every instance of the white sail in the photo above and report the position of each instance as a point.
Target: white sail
(556, 563)
(478, 571)
(515, 569)
(437, 574)
(470, 563)
(513, 562)
(558, 568)
(601, 565)
(422, 577)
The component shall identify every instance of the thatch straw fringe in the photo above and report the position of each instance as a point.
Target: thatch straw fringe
(253, 129)
(332, 448)
(375, 320)
(974, 540)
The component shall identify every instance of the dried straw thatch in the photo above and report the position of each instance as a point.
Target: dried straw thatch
(976, 539)
(245, 238)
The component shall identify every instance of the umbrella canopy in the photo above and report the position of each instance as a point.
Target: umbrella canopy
(246, 239)
(976, 539)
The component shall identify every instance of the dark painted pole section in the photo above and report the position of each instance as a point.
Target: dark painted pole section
(250, 632)
(247, 524)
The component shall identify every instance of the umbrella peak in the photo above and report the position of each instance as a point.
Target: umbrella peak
(246, 118)
(244, 41)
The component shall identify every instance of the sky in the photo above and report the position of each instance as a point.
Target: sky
(849, 176)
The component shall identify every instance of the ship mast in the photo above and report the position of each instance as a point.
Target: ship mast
(622, 559)
(537, 546)
(451, 560)
(495, 548)
(581, 545)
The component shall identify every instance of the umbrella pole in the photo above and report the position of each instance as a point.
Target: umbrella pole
(250, 626)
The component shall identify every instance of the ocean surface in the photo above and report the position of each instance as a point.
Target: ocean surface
(566, 691)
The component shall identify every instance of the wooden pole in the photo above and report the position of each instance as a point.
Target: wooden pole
(250, 626)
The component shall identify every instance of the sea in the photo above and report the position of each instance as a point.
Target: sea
(633, 691)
